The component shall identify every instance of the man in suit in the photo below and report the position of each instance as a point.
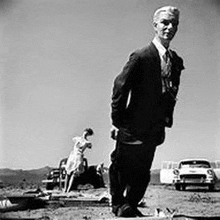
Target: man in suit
(143, 100)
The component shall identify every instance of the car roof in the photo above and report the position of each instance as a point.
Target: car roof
(195, 159)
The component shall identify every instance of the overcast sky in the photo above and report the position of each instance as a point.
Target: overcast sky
(58, 60)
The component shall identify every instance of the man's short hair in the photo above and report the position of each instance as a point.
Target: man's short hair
(169, 9)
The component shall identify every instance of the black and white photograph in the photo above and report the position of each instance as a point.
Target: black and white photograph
(109, 109)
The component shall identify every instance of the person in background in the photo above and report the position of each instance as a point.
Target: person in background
(143, 100)
(75, 162)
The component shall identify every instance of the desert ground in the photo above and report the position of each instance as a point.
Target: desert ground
(194, 203)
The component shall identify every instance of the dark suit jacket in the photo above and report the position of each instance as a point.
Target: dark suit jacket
(147, 112)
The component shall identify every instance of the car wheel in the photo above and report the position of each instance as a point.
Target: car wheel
(211, 187)
(177, 187)
(49, 186)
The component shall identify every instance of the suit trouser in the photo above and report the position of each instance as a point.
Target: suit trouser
(129, 172)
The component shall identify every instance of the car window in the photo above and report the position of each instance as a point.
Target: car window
(194, 164)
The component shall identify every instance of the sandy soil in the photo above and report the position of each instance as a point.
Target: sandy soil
(192, 202)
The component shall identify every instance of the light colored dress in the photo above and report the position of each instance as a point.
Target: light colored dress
(75, 160)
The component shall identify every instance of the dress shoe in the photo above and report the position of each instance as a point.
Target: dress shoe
(138, 212)
(126, 211)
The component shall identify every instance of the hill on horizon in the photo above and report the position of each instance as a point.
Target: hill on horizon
(17, 177)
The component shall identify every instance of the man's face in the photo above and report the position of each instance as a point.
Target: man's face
(166, 27)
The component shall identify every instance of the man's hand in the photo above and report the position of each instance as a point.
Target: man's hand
(114, 132)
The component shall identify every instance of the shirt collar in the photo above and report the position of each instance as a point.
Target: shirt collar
(161, 49)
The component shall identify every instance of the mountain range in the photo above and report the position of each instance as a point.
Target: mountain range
(11, 177)
(17, 177)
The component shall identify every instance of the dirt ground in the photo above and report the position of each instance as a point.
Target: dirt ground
(197, 202)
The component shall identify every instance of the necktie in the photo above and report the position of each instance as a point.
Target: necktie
(166, 71)
(167, 64)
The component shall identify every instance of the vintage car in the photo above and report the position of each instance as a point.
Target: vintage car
(92, 175)
(194, 172)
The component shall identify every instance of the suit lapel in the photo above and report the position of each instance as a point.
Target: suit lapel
(156, 62)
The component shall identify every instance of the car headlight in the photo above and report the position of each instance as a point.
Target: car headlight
(176, 172)
(210, 172)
